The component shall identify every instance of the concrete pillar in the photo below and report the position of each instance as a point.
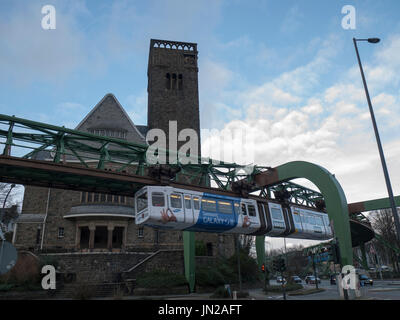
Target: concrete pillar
(92, 230)
(125, 237)
(78, 238)
(110, 229)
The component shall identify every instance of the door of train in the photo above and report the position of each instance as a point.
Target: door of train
(188, 207)
(176, 207)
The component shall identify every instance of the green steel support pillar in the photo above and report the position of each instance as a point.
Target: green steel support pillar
(364, 260)
(189, 258)
(335, 200)
(260, 250)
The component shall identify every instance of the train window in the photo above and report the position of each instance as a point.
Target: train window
(296, 217)
(141, 202)
(225, 207)
(176, 201)
(279, 225)
(276, 214)
(311, 220)
(188, 202)
(196, 203)
(252, 210)
(209, 205)
(157, 199)
(319, 221)
(244, 212)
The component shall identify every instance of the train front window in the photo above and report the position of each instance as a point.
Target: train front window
(157, 199)
(276, 214)
(252, 210)
(141, 202)
(176, 201)
(225, 207)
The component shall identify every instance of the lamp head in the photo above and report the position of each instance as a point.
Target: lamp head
(373, 40)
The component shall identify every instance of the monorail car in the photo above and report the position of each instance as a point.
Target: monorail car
(171, 208)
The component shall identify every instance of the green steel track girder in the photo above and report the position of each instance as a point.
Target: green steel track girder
(68, 145)
(335, 199)
(189, 258)
(370, 205)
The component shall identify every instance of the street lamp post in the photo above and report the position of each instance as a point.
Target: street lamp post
(378, 140)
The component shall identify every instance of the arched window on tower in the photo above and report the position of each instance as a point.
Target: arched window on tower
(180, 82)
(168, 81)
(174, 81)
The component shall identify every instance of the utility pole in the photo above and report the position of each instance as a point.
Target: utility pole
(238, 261)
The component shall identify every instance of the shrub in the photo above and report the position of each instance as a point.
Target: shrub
(288, 287)
(160, 279)
(6, 287)
(26, 270)
(248, 266)
(209, 277)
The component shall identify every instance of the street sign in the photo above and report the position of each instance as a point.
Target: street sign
(8, 256)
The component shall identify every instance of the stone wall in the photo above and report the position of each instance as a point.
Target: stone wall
(96, 267)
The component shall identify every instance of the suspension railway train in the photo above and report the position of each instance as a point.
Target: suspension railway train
(170, 208)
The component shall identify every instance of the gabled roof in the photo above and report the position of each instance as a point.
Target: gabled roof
(108, 121)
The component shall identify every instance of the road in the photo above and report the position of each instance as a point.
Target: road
(381, 290)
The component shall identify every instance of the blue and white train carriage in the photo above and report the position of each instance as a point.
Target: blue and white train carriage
(166, 207)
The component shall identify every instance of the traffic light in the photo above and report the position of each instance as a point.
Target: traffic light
(334, 253)
(282, 265)
(263, 267)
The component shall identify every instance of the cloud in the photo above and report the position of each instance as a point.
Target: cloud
(290, 118)
(292, 20)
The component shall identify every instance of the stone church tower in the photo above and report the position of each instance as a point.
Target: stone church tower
(173, 92)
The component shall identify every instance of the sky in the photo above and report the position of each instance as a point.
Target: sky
(283, 72)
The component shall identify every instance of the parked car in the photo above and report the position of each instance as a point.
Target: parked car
(311, 280)
(296, 279)
(364, 280)
(279, 279)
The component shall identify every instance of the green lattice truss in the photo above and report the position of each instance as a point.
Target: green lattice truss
(29, 139)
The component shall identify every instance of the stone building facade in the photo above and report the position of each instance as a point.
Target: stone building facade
(62, 221)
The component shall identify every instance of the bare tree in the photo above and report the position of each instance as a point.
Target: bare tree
(8, 195)
(9, 205)
(383, 224)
